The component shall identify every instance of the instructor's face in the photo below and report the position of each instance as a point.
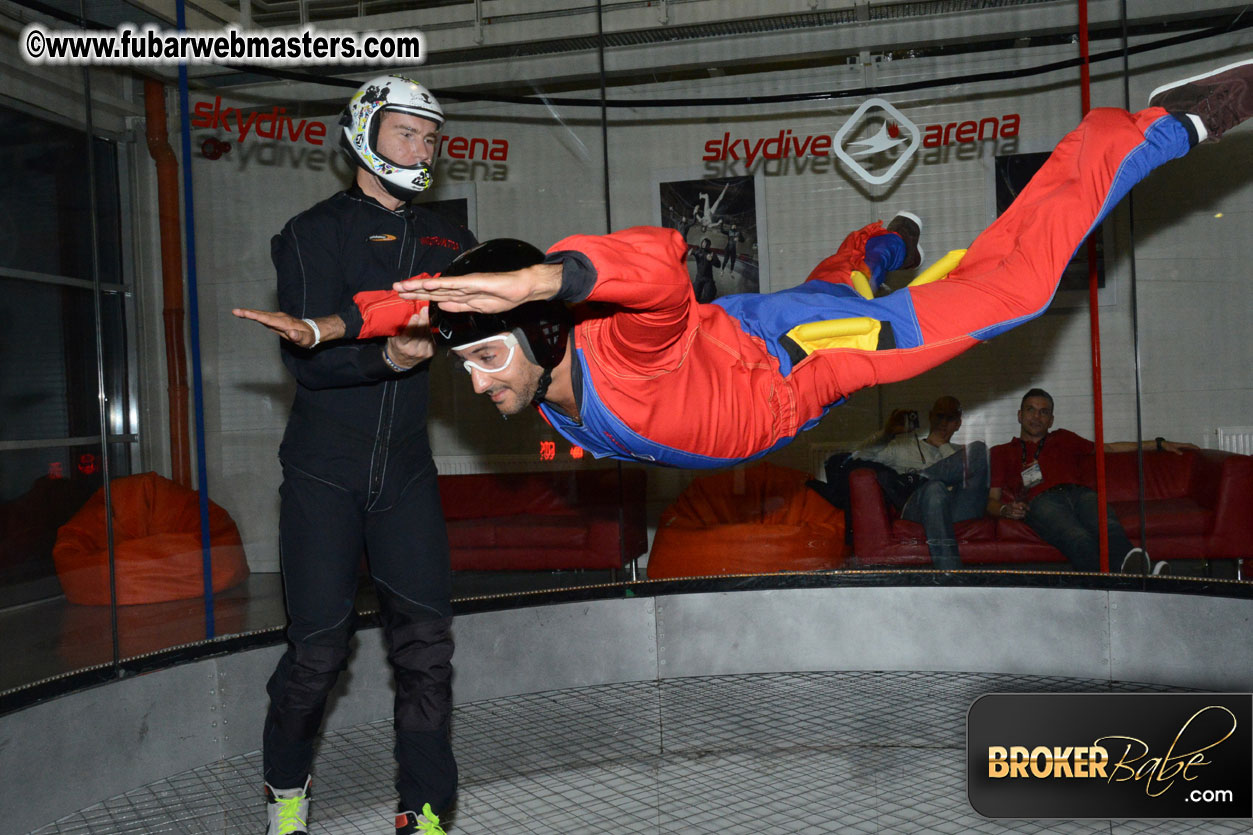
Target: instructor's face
(406, 139)
(512, 388)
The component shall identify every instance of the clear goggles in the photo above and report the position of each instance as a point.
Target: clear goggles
(488, 355)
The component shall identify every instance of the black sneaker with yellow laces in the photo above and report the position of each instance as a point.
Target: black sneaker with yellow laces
(411, 823)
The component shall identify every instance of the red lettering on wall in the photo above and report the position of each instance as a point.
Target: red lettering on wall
(787, 144)
(458, 147)
(1006, 127)
(268, 124)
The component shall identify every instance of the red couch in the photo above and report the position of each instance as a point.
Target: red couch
(557, 519)
(28, 530)
(1199, 505)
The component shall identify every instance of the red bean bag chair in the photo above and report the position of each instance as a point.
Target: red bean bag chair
(156, 545)
(757, 520)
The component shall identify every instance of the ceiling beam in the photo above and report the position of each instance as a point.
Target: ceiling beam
(200, 14)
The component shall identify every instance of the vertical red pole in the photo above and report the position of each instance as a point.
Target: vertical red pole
(171, 279)
(1094, 315)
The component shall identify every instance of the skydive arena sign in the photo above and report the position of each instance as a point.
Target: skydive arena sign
(875, 143)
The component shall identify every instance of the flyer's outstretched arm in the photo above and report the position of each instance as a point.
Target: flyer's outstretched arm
(484, 292)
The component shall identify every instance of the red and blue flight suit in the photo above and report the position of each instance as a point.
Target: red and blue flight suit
(662, 379)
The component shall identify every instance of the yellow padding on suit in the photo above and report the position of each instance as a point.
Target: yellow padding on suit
(862, 332)
(859, 332)
(862, 284)
(940, 269)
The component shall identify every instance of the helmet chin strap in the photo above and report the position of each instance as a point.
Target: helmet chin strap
(405, 194)
(402, 192)
(545, 380)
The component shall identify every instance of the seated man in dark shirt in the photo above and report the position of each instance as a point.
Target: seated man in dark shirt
(1041, 477)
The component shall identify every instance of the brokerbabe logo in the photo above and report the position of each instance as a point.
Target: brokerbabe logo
(1107, 755)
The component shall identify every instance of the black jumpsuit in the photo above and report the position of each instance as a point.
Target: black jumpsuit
(358, 478)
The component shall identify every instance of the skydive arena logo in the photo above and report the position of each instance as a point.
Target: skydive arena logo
(875, 144)
(866, 142)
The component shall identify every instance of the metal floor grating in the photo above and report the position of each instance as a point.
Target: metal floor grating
(840, 752)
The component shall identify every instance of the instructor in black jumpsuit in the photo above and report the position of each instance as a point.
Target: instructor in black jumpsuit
(358, 477)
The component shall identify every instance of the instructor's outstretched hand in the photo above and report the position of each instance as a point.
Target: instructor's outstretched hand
(485, 292)
(293, 329)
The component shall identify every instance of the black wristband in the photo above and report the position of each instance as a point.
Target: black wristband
(1159, 440)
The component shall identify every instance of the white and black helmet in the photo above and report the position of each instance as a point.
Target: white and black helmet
(361, 120)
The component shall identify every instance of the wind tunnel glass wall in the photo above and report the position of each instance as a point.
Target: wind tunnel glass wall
(953, 135)
(760, 192)
(50, 435)
(1180, 255)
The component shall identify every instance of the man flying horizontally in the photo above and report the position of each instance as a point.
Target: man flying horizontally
(638, 370)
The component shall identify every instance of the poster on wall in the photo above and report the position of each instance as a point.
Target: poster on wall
(1012, 173)
(721, 220)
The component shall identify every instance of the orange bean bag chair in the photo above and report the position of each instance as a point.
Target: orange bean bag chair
(757, 520)
(156, 545)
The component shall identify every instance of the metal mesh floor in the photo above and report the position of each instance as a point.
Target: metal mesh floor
(788, 752)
